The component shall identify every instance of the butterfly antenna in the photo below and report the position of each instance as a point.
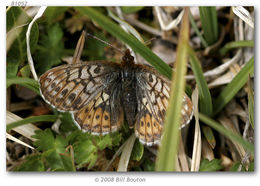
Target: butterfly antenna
(149, 41)
(79, 48)
(105, 42)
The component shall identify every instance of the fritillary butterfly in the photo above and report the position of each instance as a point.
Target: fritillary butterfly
(100, 94)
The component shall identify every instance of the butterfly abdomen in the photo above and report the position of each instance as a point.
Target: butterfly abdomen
(129, 98)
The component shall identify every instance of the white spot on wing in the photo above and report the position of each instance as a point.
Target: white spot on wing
(84, 73)
(74, 74)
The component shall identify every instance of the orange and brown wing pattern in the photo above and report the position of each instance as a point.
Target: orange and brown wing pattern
(71, 87)
(103, 115)
(147, 128)
(154, 91)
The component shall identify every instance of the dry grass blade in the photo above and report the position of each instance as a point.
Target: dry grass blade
(79, 48)
(115, 155)
(243, 14)
(206, 151)
(183, 163)
(225, 78)
(126, 154)
(229, 125)
(162, 20)
(29, 55)
(25, 130)
(196, 154)
(220, 69)
(10, 137)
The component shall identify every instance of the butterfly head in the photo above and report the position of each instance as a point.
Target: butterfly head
(127, 59)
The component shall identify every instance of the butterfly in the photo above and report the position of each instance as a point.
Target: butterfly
(101, 94)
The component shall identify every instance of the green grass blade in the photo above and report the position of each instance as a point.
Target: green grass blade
(46, 118)
(26, 82)
(194, 26)
(167, 154)
(209, 135)
(229, 134)
(236, 44)
(251, 103)
(234, 86)
(128, 39)
(205, 103)
(208, 17)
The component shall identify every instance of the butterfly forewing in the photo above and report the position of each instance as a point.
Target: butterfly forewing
(71, 87)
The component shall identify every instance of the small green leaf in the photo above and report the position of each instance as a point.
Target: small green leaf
(46, 140)
(50, 49)
(25, 71)
(148, 165)
(67, 123)
(138, 151)
(52, 13)
(116, 138)
(53, 160)
(213, 165)
(251, 167)
(32, 163)
(131, 9)
(84, 152)
(104, 142)
(11, 70)
(67, 162)
(235, 167)
(208, 133)
(92, 160)
(17, 22)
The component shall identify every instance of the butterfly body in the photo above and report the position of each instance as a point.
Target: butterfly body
(129, 97)
(100, 94)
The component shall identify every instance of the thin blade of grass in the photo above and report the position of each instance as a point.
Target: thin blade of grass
(233, 87)
(167, 154)
(46, 118)
(208, 133)
(130, 40)
(205, 103)
(126, 154)
(251, 102)
(208, 17)
(10, 137)
(196, 153)
(194, 26)
(26, 130)
(229, 134)
(26, 82)
(236, 44)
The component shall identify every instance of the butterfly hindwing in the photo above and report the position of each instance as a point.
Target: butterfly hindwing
(154, 93)
(103, 115)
